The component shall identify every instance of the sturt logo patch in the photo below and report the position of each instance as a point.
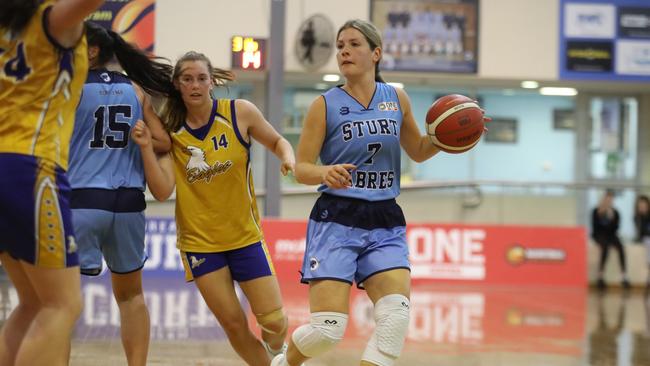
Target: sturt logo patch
(198, 169)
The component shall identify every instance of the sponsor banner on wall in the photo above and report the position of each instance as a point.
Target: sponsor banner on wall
(134, 20)
(590, 20)
(605, 40)
(514, 255)
(633, 57)
(589, 56)
(634, 22)
(509, 255)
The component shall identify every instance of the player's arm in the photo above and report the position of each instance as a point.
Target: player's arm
(261, 130)
(311, 141)
(65, 19)
(158, 169)
(418, 147)
(162, 143)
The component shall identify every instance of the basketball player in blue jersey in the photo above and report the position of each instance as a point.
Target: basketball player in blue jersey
(219, 230)
(43, 64)
(107, 176)
(356, 230)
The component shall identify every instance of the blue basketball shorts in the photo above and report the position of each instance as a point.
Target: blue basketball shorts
(247, 263)
(351, 239)
(35, 218)
(109, 224)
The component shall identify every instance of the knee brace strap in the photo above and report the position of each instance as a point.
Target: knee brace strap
(324, 331)
(273, 316)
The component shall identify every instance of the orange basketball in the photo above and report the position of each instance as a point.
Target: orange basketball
(454, 123)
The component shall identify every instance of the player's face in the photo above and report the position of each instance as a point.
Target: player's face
(354, 55)
(194, 83)
(93, 56)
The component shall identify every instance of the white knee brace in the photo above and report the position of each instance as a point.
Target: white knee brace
(392, 318)
(323, 332)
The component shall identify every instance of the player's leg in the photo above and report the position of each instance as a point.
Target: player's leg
(47, 341)
(329, 308)
(16, 325)
(134, 316)
(253, 269)
(329, 264)
(17, 227)
(125, 256)
(215, 283)
(383, 270)
(389, 291)
(42, 240)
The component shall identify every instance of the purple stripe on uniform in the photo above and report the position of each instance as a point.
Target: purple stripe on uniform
(233, 115)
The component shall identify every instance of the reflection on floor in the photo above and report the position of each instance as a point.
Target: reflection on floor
(449, 326)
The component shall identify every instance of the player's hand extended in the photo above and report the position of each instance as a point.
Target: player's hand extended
(486, 120)
(141, 134)
(338, 176)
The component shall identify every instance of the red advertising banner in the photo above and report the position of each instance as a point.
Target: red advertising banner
(469, 254)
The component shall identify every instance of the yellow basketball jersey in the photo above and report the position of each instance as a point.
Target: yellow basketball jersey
(215, 201)
(40, 86)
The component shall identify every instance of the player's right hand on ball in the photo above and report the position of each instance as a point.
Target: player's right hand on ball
(141, 134)
(338, 176)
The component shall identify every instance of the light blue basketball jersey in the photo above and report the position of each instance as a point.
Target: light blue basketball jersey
(367, 137)
(102, 154)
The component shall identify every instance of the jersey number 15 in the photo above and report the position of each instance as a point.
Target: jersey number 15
(111, 140)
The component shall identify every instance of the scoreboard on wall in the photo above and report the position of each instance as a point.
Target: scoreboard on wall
(605, 40)
(248, 53)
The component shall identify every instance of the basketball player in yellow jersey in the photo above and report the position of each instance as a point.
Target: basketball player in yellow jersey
(218, 224)
(43, 65)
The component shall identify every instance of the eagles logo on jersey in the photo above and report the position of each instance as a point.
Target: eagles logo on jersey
(197, 168)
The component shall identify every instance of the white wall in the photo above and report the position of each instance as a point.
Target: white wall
(518, 38)
(207, 26)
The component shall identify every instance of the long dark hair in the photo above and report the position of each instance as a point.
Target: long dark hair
(152, 75)
(174, 111)
(15, 14)
(370, 33)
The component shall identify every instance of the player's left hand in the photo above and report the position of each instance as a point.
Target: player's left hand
(141, 134)
(287, 167)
